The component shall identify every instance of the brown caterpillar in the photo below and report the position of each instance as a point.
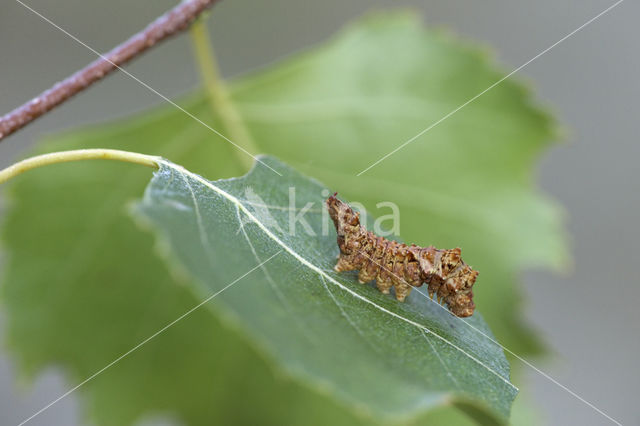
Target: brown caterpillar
(393, 264)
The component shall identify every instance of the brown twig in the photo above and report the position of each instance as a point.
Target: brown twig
(172, 22)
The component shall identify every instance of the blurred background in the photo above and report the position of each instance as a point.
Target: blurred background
(588, 315)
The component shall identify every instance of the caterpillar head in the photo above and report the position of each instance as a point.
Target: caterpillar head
(347, 223)
(344, 218)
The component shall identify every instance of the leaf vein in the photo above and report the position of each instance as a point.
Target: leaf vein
(272, 283)
(433, 348)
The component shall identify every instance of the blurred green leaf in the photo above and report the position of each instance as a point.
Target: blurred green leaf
(82, 284)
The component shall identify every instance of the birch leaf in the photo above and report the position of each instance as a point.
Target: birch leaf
(392, 358)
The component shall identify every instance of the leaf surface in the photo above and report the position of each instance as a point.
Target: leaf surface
(83, 285)
(393, 358)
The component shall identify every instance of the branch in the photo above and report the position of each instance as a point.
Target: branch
(176, 20)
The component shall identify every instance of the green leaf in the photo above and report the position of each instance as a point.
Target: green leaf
(82, 284)
(464, 183)
(392, 358)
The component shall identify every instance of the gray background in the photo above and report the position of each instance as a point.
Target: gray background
(590, 80)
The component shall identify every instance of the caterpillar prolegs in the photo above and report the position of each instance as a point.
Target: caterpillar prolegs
(397, 265)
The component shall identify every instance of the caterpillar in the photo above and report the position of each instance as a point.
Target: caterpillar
(393, 264)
